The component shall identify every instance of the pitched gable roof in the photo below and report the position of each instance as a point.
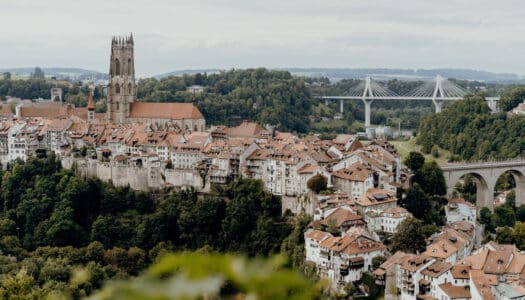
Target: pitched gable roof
(176, 111)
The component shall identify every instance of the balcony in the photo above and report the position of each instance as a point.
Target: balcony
(343, 270)
(357, 262)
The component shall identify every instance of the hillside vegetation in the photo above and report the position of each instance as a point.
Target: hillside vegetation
(468, 130)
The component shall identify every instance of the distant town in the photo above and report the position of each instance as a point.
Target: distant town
(353, 189)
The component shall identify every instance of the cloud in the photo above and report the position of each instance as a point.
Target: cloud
(274, 33)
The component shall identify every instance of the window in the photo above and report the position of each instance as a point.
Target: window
(118, 105)
(129, 66)
(117, 88)
(117, 67)
(129, 88)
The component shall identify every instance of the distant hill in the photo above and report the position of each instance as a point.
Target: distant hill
(62, 73)
(336, 74)
(406, 74)
(189, 72)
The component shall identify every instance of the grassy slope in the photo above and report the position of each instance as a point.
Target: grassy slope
(405, 147)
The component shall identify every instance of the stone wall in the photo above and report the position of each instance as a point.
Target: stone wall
(143, 178)
(300, 204)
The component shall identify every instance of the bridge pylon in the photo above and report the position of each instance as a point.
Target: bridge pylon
(367, 99)
(438, 94)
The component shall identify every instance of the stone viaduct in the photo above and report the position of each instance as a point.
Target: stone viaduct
(485, 175)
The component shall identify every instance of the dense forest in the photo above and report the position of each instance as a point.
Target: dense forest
(274, 98)
(39, 87)
(471, 132)
(54, 222)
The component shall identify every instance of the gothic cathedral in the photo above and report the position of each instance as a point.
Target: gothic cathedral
(121, 86)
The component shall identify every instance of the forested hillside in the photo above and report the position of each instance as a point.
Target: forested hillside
(53, 222)
(469, 130)
(280, 99)
(34, 88)
(269, 97)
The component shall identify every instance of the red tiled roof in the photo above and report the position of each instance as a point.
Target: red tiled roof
(175, 111)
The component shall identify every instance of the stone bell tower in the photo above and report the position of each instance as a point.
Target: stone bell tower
(121, 86)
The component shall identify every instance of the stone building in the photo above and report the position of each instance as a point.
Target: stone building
(122, 93)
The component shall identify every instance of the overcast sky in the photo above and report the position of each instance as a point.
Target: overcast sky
(180, 34)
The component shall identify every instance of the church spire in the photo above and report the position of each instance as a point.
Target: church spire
(91, 102)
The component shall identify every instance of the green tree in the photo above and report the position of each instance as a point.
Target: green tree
(414, 161)
(510, 200)
(430, 178)
(409, 237)
(503, 216)
(20, 286)
(377, 261)
(435, 151)
(293, 244)
(212, 275)
(505, 235)
(417, 202)
(333, 228)
(485, 218)
(317, 183)
(520, 213)
(518, 235)
(511, 99)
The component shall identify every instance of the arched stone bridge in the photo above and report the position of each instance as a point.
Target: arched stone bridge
(486, 174)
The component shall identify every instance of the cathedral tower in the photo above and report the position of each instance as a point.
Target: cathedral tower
(121, 86)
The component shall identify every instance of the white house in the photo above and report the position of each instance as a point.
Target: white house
(457, 209)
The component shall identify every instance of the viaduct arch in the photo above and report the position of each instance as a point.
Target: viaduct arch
(486, 174)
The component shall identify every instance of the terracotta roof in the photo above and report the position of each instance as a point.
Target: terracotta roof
(245, 129)
(317, 235)
(460, 271)
(340, 216)
(477, 260)
(397, 258)
(363, 244)
(483, 283)
(91, 102)
(455, 292)
(329, 242)
(6, 111)
(459, 201)
(497, 261)
(395, 212)
(375, 197)
(441, 249)
(412, 262)
(436, 269)
(307, 169)
(517, 263)
(176, 111)
(355, 172)
(50, 110)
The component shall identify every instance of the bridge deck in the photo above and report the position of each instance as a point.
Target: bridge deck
(400, 98)
(483, 165)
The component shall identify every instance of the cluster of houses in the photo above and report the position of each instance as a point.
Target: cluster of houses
(156, 145)
(283, 161)
(349, 224)
(492, 271)
(347, 234)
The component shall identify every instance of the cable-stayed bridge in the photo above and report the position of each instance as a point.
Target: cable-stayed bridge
(438, 91)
